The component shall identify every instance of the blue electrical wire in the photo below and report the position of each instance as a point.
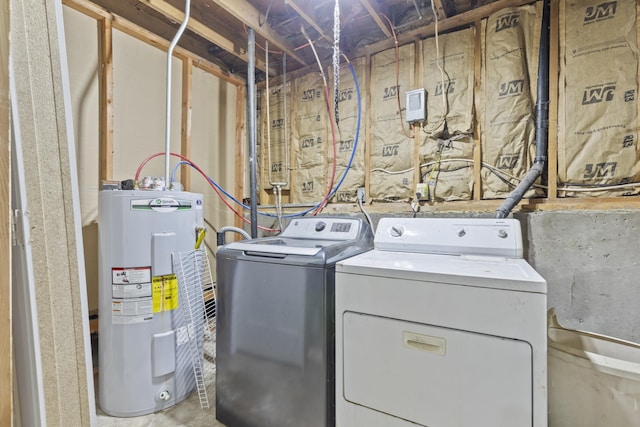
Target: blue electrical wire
(331, 194)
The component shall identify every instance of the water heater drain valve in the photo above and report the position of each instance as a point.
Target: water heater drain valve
(164, 395)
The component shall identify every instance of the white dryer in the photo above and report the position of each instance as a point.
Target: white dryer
(443, 324)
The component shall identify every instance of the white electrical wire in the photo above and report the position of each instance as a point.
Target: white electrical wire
(366, 215)
(391, 172)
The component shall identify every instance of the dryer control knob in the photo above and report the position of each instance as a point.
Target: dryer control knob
(320, 226)
(396, 231)
(502, 234)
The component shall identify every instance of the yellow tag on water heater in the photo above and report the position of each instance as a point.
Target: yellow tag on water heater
(165, 293)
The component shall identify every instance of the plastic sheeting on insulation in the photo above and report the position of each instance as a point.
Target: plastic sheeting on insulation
(274, 148)
(511, 44)
(598, 139)
(449, 82)
(310, 139)
(348, 114)
(447, 166)
(392, 175)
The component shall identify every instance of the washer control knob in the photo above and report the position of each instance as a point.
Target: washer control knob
(396, 231)
(461, 232)
(320, 225)
(502, 234)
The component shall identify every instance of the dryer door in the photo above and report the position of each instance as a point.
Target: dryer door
(435, 376)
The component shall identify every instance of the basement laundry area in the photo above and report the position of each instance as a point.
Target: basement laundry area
(320, 213)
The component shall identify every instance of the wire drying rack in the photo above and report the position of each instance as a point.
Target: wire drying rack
(198, 301)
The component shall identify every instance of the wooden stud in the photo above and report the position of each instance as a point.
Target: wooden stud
(105, 79)
(367, 125)
(477, 96)
(552, 148)
(187, 108)
(6, 351)
(240, 147)
(417, 131)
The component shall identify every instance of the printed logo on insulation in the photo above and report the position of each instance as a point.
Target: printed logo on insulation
(310, 95)
(345, 95)
(447, 87)
(512, 88)
(598, 93)
(390, 150)
(628, 141)
(507, 21)
(600, 12)
(508, 161)
(345, 196)
(277, 123)
(600, 170)
(307, 187)
(390, 92)
(346, 145)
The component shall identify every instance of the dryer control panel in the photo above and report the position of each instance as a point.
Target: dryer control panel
(453, 236)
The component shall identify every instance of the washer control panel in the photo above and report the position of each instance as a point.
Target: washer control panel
(323, 228)
(461, 236)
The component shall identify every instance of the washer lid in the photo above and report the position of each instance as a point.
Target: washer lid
(466, 270)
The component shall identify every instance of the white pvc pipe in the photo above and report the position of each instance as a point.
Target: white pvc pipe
(172, 46)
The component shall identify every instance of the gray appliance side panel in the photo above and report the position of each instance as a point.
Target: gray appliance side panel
(272, 343)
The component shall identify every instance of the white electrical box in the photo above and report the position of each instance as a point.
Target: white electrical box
(416, 105)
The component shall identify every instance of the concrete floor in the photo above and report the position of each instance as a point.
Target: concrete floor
(186, 413)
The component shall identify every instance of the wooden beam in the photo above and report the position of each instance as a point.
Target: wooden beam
(240, 148)
(440, 9)
(308, 19)
(185, 132)
(246, 13)
(456, 21)
(121, 24)
(6, 350)
(552, 149)
(477, 99)
(202, 30)
(374, 14)
(105, 82)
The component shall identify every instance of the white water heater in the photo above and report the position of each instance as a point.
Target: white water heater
(144, 357)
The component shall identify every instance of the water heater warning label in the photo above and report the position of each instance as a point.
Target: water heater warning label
(131, 295)
(165, 293)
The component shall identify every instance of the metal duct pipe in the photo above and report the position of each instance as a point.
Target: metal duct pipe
(542, 120)
(251, 94)
(167, 132)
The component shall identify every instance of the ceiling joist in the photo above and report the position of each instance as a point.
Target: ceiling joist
(456, 21)
(376, 17)
(308, 19)
(246, 13)
(202, 30)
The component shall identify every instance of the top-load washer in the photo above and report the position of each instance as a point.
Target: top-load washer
(275, 329)
(443, 324)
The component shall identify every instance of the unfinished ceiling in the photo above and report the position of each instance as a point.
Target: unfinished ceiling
(217, 29)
